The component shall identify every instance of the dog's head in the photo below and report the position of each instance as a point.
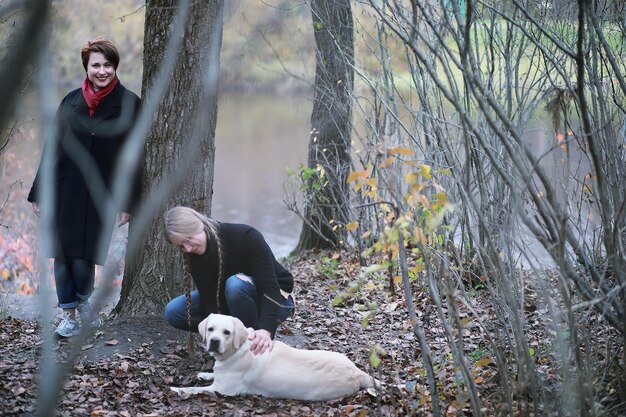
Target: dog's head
(222, 335)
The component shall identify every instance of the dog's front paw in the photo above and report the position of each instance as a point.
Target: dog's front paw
(185, 392)
(206, 376)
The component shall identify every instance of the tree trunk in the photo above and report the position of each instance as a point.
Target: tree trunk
(22, 31)
(326, 207)
(184, 125)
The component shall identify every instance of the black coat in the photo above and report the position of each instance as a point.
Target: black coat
(96, 143)
(245, 251)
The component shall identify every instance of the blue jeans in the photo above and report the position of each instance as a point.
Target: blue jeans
(241, 299)
(74, 279)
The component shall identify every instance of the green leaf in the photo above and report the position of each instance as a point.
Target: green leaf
(339, 299)
(374, 358)
(373, 268)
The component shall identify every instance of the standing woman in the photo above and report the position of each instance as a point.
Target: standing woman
(93, 123)
(235, 273)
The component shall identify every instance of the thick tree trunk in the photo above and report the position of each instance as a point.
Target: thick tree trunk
(185, 120)
(23, 35)
(331, 126)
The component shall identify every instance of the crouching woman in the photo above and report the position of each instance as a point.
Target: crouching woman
(235, 273)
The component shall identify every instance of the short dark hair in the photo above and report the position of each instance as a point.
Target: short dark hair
(105, 47)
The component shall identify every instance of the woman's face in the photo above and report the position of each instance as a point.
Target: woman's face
(195, 244)
(99, 70)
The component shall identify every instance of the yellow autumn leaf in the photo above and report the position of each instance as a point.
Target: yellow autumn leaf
(440, 200)
(372, 182)
(484, 361)
(352, 226)
(399, 151)
(390, 160)
(417, 269)
(369, 286)
(425, 171)
(410, 178)
(5, 274)
(355, 175)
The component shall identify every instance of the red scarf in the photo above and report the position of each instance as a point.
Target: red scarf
(93, 98)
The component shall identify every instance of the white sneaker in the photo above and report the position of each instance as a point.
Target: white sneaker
(88, 315)
(67, 327)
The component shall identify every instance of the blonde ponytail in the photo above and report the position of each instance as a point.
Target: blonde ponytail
(185, 222)
(187, 283)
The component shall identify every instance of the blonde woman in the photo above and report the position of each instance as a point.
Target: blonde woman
(235, 273)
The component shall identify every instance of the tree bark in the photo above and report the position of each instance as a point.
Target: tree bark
(183, 125)
(331, 127)
(22, 35)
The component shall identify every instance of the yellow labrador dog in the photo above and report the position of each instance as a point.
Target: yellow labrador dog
(283, 372)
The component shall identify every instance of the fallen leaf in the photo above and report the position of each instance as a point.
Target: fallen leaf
(484, 361)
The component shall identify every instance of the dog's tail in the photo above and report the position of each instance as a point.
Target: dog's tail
(369, 382)
(376, 387)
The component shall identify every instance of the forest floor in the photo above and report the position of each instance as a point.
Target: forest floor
(128, 365)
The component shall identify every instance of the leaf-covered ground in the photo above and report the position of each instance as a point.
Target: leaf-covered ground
(127, 367)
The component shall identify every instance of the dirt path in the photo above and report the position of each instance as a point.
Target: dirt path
(29, 307)
(118, 336)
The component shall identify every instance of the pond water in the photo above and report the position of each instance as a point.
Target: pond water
(258, 137)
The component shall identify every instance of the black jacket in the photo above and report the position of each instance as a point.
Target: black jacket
(244, 251)
(95, 142)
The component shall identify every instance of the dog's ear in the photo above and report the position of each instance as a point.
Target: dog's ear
(241, 333)
(202, 327)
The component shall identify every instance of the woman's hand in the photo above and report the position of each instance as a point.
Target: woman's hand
(261, 341)
(123, 218)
